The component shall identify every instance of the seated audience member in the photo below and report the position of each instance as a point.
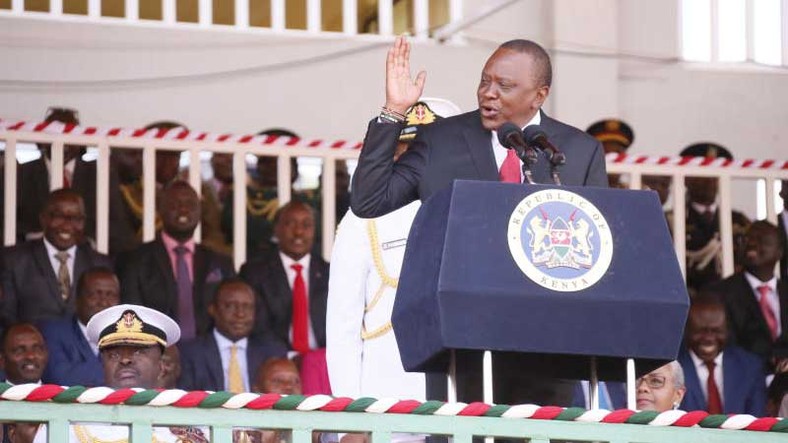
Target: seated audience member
(131, 341)
(173, 274)
(278, 376)
(661, 389)
(704, 246)
(292, 282)
(39, 276)
(756, 300)
(227, 358)
(616, 137)
(24, 354)
(33, 181)
(72, 359)
(782, 223)
(720, 378)
(21, 432)
(262, 201)
(170, 368)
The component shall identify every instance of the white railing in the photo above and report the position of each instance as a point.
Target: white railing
(330, 152)
(277, 13)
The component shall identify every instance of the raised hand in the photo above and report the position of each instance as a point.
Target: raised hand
(402, 91)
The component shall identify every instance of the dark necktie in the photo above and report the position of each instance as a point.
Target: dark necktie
(185, 298)
(63, 277)
(714, 405)
(300, 312)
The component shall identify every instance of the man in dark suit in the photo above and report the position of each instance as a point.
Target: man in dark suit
(755, 299)
(72, 359)
(279, 277)
(38, 276)
(173, 274)
(515, 83)
(720, 378)
(33, 181)
(227, 358)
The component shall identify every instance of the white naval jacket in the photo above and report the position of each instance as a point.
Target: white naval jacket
(361, 350)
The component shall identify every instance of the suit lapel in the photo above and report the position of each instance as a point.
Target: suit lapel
(82, 343)
(45, 269)
(750, 301)
(81, 264)
(782, 293)
(479, 143)
(254, 357)
(163, 262)
(285, 301)
(731, 386)
(692, 381)
(215, 371)
(317, 311)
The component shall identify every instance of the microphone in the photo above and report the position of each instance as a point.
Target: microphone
(510, 136)
(534, 136)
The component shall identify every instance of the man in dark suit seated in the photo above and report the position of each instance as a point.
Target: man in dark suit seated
(24, 354)
(33, 180)
(38, 276)
(292, 282)
(72, 359)
(720, 378)
(756, 301)
(173, 274)
(227, 358)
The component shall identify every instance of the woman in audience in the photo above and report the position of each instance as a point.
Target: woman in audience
(661, 389)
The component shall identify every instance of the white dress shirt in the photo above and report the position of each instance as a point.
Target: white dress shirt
(703, 375)
(291, 275)
(225, 348)
(500, 151)
(52, 252)
(772, 298)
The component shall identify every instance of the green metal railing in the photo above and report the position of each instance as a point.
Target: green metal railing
(302, 424)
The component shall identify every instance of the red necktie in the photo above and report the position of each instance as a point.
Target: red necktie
(714, 405)
(766, 309)
(510, 168)
(66, 181)
(300, 312)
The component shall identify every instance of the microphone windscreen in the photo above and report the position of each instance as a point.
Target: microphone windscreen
(533, 133)
(505, 131)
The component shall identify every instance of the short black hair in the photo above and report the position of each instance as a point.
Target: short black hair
(292, 203)
(62, 193)
(233, 281)
(13, 326)
(539, 55)
(82, 281)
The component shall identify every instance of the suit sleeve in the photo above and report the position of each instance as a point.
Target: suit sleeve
(345, 310)
(188, 379)
(62, 369)
(379, 185)
(8, 302)
(597, 173)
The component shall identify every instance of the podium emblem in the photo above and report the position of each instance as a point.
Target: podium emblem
(560, 240)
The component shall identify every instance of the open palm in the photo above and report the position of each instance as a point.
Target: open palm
(402, 91)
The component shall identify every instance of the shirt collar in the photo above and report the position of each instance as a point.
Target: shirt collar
(701, 364)
(225, 343)
(52, 250)
(755, 282)
(535, 120)
(287, 261)
(170, 243)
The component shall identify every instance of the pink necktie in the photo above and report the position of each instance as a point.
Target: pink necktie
(766, 309)
(510, 168)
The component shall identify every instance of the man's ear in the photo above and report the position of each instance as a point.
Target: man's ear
(211, 310)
